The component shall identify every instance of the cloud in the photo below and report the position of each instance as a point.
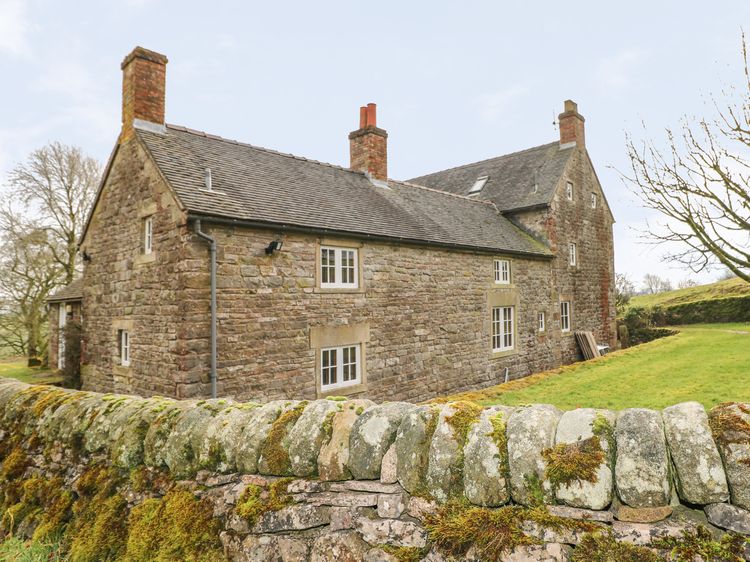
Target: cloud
(615, 72)
(14, 27)
(495, 104)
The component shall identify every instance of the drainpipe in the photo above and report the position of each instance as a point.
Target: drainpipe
(212, 249)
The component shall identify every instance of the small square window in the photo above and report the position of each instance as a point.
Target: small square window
(478, 185)
(148, 235)
(565, 316)
(569, 190)
(340, 367)
(502, 272)
(338, 268)
(542, 322)
(502, 328)
(123, 337)
(572, 254)
(593, 200)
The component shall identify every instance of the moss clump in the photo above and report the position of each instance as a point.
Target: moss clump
(359, 410)
(50, 399)
(255, 501)
(728, 425)
(175, 527)
(14, 464)
(465, 415)
(337, 398)
(603, 547)
(456, 527)
(327, 427)
(273, 451)
(537, 496)
(573, 462)
(602, 428)
(144, 479)
(700, 545)
(405, 553)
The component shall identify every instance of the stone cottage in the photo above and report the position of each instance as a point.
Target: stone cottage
(217, 266)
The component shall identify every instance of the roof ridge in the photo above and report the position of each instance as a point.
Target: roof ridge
(488, 159)
(302, 158)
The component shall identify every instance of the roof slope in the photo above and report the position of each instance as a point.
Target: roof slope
(260, 185)
(512, 177)
(71, 292)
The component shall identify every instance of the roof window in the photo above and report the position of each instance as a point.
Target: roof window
(478, 185)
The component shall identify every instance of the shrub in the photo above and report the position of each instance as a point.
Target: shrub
(640, 323)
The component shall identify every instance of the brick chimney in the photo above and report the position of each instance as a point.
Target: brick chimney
(144, 75)
(368, 145)
(571, 125)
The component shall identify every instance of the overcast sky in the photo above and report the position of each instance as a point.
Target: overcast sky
(455, 82)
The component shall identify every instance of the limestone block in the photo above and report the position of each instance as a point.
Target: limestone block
(576, 426)
(530, 430)
(343, 546)
(371, 436)
(254, 435)
(391, 531)
(308, 435)
(642, 468)
(128, 447)
(388, 474)
(412, 446)
(181, 451)
(293, 518)
(729, 517)
(159, 431)
(486, 459)
(334, 455)
(730, 425)
(391, 506)
(700, 477)
(580, 514)
(223, 436)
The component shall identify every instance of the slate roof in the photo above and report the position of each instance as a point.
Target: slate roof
(262, 186)
(511, 177)
(72, 292)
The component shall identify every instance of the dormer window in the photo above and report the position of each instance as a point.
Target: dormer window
(478, 185)
(569, 190)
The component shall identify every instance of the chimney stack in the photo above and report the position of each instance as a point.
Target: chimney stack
(144, 75)
(571, 126)
(368, 145)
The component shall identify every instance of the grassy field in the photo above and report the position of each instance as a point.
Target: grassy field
(709, 363)
(16, 368)
(731, 288)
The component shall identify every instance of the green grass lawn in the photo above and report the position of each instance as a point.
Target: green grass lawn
(16, 368)
(709, 363)
(730, 288)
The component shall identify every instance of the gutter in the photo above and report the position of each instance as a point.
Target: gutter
(386, 239)
(212, 251)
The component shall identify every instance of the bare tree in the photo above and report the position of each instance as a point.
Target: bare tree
(56, 186)
(687, 283)
(654, 284)
(46, 206)
(699, 184)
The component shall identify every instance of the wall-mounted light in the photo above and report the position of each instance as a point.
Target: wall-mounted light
(274, 247)
(86, 257)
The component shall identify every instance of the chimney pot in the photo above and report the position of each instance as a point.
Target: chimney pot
(143, 88)
(572, 126)
(368, 145)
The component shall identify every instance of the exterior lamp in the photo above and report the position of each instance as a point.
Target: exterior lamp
(274, 247)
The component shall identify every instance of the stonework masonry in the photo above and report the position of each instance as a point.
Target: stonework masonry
(349, 479)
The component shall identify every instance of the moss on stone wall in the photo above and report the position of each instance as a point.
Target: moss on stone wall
(255, 500)
(273, 451)
(573, 462)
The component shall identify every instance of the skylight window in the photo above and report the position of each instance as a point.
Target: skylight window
(478, 185)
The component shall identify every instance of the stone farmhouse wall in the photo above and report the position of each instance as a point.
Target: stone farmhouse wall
(354, 480)
(423, 315)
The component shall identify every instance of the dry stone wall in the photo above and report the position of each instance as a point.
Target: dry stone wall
(354, 480)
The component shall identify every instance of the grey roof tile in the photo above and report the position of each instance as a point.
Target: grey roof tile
(71, 292)
(260, 185)
(512, 177)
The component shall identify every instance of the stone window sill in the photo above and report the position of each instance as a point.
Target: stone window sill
(499, 354)
(144, 259)
(339, 290)
(343, 391)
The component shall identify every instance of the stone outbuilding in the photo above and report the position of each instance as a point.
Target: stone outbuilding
(213, 266)
(64, 306)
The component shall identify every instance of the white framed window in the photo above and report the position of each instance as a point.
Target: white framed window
(148, 235)
(502, 272)
(338, 267)
(340, 366)
(572, 254)
(502, 328)
(569, 190)
(565, 316)
(542, 322)
(593, 201)
(124, 345)
(478, 185)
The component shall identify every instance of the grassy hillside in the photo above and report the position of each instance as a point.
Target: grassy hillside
(706, 362)
(731, 288)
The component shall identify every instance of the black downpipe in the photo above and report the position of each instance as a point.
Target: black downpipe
(212, 250)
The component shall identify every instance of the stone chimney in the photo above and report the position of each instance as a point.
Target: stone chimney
(144, 76)
(571, 126)
(368, 145)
